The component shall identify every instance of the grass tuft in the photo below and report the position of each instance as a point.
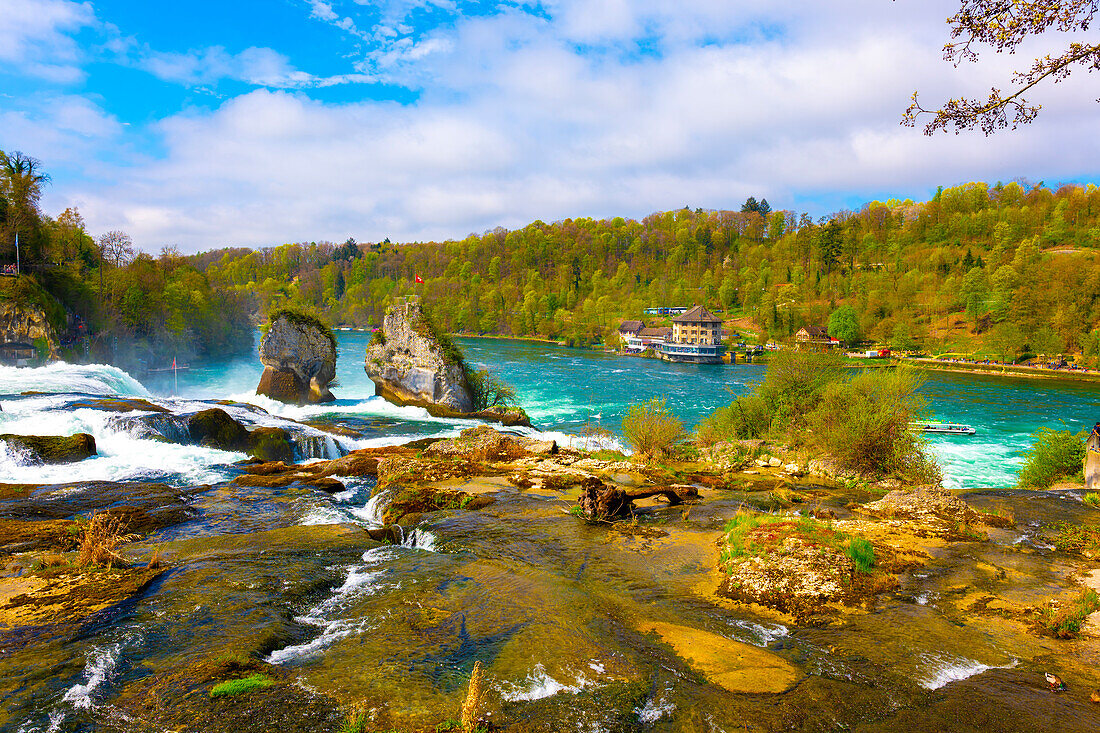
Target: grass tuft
(1065, 622)
(861, 552)
(475, 699)
(103, 535)
(230, 688)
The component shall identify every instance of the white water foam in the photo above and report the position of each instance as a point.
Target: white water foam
(101, 663)
(539, 685)
(943, 670)
(61, 377)
(761, 635)
(420, 539)
(373, 510)
(654, 709)
(121, 455)
(360, 580)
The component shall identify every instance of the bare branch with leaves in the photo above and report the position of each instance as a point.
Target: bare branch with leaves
(1003, 25)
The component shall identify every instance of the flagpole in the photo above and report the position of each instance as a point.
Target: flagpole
(176, 374)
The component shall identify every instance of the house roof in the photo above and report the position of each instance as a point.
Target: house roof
(698, 314)
(660, 332)
(631, 326)
(816, 331)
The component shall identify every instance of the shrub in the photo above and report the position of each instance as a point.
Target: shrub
(1092, 499)
(795, 382)
(244, 685)
(652, 429)
(487, 390)
(1055, 455)
(864, 424)
(303, 319)
(746, 417)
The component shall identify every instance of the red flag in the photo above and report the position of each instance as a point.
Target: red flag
(419, 279)
(173, 362)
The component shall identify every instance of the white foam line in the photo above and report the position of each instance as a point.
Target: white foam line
(944, 671)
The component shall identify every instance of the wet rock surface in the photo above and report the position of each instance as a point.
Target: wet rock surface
(611, 625)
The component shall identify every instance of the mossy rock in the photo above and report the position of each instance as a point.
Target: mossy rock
(271, 444)
(423, 499)
(53, 448)
(121, 405)
(214, 428)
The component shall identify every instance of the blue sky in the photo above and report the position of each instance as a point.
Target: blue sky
(247, 123)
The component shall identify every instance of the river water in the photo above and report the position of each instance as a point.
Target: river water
(564, 390)
(554, 607)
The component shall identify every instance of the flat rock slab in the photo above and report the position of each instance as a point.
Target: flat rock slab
(733, 665)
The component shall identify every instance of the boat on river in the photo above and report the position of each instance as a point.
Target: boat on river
(948, 428)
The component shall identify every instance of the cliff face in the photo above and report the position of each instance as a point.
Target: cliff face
(299, 356)
(26, 324)
(409, 367)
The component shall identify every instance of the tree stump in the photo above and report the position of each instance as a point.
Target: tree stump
(600, 501)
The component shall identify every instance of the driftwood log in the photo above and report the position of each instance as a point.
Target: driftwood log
(601, 501)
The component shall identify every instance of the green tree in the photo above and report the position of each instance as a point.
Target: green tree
(844, 324)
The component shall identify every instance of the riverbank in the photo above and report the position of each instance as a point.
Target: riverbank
(1003, 370)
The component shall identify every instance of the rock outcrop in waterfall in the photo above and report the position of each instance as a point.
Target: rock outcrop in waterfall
(299, 356)
(411, 362)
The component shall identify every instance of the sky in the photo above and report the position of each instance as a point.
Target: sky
(246, 123)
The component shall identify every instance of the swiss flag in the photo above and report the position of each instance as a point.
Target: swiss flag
(419, 279)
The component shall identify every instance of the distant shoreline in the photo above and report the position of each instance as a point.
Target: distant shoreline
(1002, 370)
(497, 337)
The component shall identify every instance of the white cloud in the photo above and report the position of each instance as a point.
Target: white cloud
(59, 130)
(35, 37)
(515, 121)
(257, 66)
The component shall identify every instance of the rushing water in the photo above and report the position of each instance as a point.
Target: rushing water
(555, 604)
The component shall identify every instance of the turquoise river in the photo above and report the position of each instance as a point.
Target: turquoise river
(564, 390)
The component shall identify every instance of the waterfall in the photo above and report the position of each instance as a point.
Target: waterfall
(61, 377)
(317, 446)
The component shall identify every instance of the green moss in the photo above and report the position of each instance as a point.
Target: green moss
(230, 688)
(54, 448)
(215, 428)
(303, 319)
(271, 444)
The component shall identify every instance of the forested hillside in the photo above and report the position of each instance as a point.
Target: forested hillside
(120, 306)
(998, 270)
